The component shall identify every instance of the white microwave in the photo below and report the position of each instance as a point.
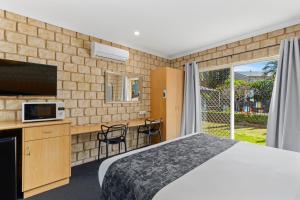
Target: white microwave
(42, 111)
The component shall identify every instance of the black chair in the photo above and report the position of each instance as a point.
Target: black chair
(115, 134)
(150, 128)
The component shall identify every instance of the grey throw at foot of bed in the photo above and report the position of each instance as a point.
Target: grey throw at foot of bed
(140, 176)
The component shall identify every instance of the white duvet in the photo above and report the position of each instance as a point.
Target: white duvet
(243, 172)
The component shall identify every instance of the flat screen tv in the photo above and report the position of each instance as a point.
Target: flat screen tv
(27, 79)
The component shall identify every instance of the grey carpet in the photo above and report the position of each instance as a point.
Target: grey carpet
(83, 185)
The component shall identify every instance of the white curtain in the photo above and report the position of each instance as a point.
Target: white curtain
(284, 115)
(191, 115)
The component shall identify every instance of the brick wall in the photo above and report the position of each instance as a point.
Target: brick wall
(80, 77)
(251, 45)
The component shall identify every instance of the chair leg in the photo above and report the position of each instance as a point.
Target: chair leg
(137, 140)
(159, 136)
(119, 147)
(125, 145)
(99, 148)
(149, 139)
(106, 150)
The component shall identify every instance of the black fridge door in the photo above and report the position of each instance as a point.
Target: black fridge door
(8, 169)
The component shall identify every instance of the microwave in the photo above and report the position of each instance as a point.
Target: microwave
(42, 111)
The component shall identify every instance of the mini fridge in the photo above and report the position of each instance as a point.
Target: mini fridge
(8, 167)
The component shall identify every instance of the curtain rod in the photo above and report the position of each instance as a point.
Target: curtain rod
(237, 53)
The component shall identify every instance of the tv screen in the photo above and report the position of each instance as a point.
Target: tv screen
(22, 78)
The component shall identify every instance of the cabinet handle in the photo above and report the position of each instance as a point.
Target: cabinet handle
(27, 151)
(164, 94)
(47, 132)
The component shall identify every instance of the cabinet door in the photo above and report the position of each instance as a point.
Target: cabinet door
(46, 161)
(158, 87)
(158, 99)
(175, 82)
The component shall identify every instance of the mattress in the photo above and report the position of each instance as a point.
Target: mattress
(202, 167)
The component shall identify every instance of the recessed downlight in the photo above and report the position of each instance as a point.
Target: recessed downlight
(136, 33)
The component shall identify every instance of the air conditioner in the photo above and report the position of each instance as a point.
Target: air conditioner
(105, 51)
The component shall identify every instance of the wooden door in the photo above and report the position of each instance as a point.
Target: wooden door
(174, 82)
(46, 161)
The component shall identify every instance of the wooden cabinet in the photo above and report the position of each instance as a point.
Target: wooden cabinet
(46, 158)
(46, 161)
(166, 99)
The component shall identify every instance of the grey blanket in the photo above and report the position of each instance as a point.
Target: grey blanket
(140, 176)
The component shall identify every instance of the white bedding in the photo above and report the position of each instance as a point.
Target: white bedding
(243, 172)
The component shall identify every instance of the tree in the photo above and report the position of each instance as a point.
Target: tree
(240, 87)
(270, 68)
(262, 89)
(213, 79)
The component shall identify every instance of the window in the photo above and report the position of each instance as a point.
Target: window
(253, 85)
(236, 100)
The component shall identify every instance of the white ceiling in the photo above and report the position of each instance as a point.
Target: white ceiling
(169, 28)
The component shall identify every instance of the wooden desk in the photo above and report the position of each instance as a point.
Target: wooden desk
(76, 130)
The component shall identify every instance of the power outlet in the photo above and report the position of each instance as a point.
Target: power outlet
(142, 112)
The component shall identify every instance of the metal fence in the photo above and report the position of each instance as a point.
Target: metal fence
(215, 100)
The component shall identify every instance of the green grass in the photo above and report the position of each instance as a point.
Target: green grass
(250, 134)
(217, 129)
(247, 133)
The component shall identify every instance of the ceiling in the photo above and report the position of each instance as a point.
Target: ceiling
(168, 28)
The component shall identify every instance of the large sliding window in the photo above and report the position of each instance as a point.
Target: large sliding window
(236, 100)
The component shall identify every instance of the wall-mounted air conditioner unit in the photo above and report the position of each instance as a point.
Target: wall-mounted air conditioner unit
(105, 51)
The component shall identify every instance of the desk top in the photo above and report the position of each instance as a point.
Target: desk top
(76, 130)
(7, 125)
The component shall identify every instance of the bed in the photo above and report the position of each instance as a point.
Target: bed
(199, 166)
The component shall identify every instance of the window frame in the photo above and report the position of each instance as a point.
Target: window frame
(231, 68)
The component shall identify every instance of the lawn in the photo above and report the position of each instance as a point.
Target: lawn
(248, 133)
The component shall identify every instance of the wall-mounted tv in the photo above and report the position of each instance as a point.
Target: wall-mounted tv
(28, 79)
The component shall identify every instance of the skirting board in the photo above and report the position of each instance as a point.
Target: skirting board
(45, 188)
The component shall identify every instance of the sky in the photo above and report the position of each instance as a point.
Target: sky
(251, 67)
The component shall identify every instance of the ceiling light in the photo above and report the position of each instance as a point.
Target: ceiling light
(136, 33)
